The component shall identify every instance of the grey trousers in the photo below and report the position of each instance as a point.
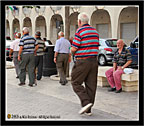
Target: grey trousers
(85, 70)
(27, 60)
(16, 62)
(39, 65)
(61, 63)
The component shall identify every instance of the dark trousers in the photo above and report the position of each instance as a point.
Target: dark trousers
(61, 63)
(27, 60)
(16, 62)
(85, 70)
(39, 65)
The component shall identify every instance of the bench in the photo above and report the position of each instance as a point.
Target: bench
(129, 81)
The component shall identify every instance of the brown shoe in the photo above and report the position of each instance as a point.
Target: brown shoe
(21, 84)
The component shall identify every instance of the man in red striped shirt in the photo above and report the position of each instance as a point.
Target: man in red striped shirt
(85, 49)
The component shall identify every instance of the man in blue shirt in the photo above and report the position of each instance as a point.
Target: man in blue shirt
(28, 48)
(62, 56)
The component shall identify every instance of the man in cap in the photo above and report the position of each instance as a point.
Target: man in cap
(26, 56)
(39, 55)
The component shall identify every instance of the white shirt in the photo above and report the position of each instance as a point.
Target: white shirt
(15, 45)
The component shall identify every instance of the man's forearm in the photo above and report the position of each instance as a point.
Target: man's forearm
(73, 50)
(127, 64)
(36, 48)
(114, 66)
(55, 55)
(11, 51)
(20, 50)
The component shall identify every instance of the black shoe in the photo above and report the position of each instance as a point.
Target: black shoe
(31, 85)
(118, 91)
(21, 84)
(63, 83)
(60, 81)
(111, 89)
(38, 78)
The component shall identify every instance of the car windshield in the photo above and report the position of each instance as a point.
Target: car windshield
(111, 43)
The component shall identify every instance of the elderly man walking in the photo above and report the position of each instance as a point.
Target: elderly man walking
(85, 48)
(122, 59)
(14, 48)
(28, 47)
(62, 56)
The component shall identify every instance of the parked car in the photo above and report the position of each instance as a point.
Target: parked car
(8, 38)
(134, 47)
(107, 47)
(8, 43)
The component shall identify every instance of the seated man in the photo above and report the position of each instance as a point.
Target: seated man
(122, 59)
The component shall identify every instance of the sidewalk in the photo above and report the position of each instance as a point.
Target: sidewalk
(49, 100)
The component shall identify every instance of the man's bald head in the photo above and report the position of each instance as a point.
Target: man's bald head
(61, 34)
(120, 44)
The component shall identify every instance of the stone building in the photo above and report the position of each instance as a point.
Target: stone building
(110, 21)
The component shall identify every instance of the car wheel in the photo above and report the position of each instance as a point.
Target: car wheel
(102, 60)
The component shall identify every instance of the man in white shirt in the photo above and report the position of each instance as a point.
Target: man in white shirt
(14, 48)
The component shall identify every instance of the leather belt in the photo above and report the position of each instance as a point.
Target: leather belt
(86, 58)
(63, 53)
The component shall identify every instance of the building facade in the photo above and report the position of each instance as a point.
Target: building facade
(120, 22)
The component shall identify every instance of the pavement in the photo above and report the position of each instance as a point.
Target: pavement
(51, 101)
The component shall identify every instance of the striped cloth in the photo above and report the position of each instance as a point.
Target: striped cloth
(41, 44)
(86, 41)
(122, 58)
(28, 43)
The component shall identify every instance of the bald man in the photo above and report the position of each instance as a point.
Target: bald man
(62, 56)
(26, 56)
(122, 59)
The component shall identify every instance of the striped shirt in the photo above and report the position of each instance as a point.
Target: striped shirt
(41, 44)
(122, 58)
(28, 44)
(86, 41)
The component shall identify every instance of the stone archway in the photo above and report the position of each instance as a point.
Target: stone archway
(27, 23)
(100, 19)
(16, 27)
(128, 24)
(56, 25)
(73, 23)
(41, 26)
(7, 28)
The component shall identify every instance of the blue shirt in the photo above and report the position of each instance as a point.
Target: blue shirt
(62, 46)
(28, 43)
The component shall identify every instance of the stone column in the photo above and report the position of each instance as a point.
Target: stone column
(11, 29)
(67, 32)
(33, 27)
(67, 26)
